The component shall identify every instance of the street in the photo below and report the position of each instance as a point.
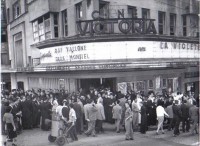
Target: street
(36, 137)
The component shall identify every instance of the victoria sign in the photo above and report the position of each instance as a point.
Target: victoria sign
(124, 25)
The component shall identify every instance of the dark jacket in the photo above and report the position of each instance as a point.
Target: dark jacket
(185, 110)
(176, 111)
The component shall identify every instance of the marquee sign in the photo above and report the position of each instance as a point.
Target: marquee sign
(100, 25)
(119, 50)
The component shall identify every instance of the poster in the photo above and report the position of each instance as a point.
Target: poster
(122, 87)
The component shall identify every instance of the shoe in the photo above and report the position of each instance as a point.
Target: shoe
(126, 139)
(118, 131)
(163, 132)
(131, 139)
(157, 133)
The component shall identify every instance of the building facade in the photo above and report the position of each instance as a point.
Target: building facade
(125, 45)
(5, 62)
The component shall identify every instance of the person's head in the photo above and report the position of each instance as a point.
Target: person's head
(71, 105)
(8, 109)
(75, 99)
(151, 93)
(117, 102)
(194, 103)
(99, 95)
(100, 101)
(127, 105)
(185, 101)
(176, 102)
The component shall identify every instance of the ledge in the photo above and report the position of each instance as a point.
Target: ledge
(112, 37)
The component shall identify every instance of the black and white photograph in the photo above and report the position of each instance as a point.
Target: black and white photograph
(100, 72)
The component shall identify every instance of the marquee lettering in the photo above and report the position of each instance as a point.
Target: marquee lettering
(98, 25)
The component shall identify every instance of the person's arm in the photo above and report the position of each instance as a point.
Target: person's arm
(165, 112)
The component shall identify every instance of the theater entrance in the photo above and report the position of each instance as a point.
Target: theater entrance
(97, 83)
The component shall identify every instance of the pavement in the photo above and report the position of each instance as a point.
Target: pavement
(37, 137)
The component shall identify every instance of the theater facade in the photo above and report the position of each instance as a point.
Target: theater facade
(92, 43)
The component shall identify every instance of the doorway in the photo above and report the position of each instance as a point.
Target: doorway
(97, 83)
(20, 85)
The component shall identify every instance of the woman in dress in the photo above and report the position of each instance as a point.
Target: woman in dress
(10, 126)
(128, 122)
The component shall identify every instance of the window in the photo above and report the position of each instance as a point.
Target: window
(172, 24)
(184, 25)
(8, 15)
(18, 48)
(64, 22)
(140, 85)
(146, 15)
(104, 9)
(132, 12)
(4, 59)
(104, 13)
(161, 22)
(150, 84)
(79, 11)
(42, 28)
(164, 83)
(16, 9)
(55, 20)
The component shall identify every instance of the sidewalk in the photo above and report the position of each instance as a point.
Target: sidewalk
(37, 137)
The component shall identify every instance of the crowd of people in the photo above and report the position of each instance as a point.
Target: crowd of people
(87, 111)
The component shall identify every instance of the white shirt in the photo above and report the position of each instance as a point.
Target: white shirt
(72, 115)
(59, 110)
(160, 111)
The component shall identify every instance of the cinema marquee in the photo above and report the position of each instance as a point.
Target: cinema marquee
(99, 25)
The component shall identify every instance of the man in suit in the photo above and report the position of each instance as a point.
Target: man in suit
(185, 116)
(176, 117)
(91, 116)
(169, 111)
(117, 114)
(100, 116)
(78, 111)
(193, 113)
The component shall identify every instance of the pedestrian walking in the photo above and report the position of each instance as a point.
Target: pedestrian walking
(143, 112)
(91, 116)
(176, 117)
(100, 116)
(117, 114)
(135, 110)
(160, 113)
(72, 123)
(194, 115)
(185, 116)
(10, 126)
(128, 122)
(169, 111)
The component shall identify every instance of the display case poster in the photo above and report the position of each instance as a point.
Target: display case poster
(158, 82)
(62, 83)
(122, 87)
